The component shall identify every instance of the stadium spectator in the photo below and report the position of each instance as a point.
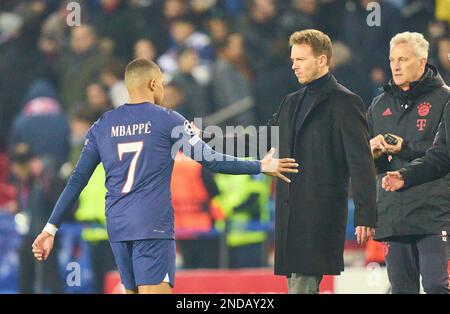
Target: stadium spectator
(365, 40)
(109, 23)
(196, 102)
(38, 187)
(185, 35)
(347, 72)
(232, 79)
(55, 26)
(272, 84)
(417, 14)
(42, 124)
(19, 58)
(174, 9)
(203, 10)
(8, 192)
(145, 49)
(302, 15)
(97, 98)
(173, 98)
(111, 76)
(443, 61)
(218, 30)
(80, 65)
(259, 27)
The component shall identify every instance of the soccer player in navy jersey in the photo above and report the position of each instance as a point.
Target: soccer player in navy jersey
(136, 143)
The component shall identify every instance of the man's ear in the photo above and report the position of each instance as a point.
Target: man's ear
(323, 60)
(423, 62)
(152, 85)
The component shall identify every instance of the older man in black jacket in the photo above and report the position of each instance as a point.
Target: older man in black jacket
(322, 125)
(411, 222)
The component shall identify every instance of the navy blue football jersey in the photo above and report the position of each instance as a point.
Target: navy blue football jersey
(136, 145)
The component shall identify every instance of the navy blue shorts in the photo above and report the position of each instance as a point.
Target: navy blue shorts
(145, 262)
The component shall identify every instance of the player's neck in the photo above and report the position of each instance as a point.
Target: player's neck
(139, 98)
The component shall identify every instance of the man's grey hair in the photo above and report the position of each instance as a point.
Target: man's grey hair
(416, 41)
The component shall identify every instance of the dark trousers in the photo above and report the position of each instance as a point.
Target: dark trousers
(37, 276)
(412, 256)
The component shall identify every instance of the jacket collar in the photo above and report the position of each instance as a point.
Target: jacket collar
(430, 80)
(322, 96)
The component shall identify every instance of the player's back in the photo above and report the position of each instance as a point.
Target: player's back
(134, 144)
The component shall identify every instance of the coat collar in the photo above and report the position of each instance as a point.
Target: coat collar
(323, 95)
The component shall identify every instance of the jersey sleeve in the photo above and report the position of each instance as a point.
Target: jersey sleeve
(88, 161)
(184, 138)
(91, 144)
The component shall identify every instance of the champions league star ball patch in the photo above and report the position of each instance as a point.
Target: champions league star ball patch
(188, 128)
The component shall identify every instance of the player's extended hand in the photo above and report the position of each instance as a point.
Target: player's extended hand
(363, 234)
(43, 245)
(274, 167)
(393, 181)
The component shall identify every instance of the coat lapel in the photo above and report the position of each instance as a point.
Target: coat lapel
(293, 109)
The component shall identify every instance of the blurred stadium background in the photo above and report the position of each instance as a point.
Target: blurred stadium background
(226, 61)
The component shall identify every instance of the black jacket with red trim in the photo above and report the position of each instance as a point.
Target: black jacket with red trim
(415, 116)
(436, 162)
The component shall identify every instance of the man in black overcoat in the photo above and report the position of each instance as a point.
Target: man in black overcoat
(323, 127)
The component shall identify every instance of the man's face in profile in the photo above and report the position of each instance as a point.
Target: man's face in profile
(304, 63)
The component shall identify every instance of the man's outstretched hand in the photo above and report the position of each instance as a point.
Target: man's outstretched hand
(43, 245)
(275, 167)
(393, 181)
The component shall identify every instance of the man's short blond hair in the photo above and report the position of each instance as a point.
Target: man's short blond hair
(319, 42)
(140, 71)
(416, 41)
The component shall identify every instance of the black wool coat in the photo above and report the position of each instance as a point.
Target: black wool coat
(331, 146)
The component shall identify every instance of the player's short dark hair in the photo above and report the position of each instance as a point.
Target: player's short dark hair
(319, 42)
(140, 66)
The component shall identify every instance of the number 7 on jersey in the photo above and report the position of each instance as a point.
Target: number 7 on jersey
(133, 147)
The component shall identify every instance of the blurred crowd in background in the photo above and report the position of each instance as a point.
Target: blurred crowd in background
(224, 60)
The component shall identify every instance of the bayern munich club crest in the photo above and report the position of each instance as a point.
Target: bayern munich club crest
(424, 109)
